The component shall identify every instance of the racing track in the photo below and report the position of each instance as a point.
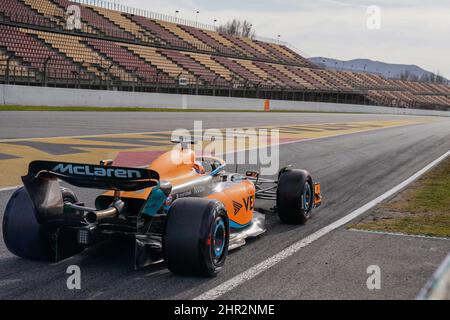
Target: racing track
(353, 170)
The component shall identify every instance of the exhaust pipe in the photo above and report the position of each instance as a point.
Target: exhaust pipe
(95, 216)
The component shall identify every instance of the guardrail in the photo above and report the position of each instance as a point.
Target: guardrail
(438, 287)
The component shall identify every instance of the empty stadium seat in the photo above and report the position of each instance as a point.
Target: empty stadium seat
(133, 50)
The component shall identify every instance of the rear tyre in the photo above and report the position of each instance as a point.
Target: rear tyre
(22, 234)
(196, 237)
(295, 196)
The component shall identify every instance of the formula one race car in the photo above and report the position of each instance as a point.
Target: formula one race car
(185, 211)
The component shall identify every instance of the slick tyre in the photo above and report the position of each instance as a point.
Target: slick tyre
(295, 196)
(196, 237)
(22, 234)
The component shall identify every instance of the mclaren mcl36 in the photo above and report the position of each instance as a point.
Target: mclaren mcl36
(185, 211)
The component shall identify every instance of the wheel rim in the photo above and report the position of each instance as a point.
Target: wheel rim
(307, 197)
(219, 239)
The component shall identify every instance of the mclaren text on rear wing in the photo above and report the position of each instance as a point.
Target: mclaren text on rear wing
(94, 176)
(42, 183)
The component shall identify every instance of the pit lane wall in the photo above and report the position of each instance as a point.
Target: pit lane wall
(60, 97)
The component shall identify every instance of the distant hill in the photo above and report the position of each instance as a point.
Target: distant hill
(387, 70)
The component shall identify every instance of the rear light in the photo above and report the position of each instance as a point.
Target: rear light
(84, 237)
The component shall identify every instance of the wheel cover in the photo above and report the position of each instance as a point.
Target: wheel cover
(219, 238)
(307, 197)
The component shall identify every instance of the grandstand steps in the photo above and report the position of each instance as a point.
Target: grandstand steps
(181, 66)
(47, 9)
(216, 67)
(123, 23)
(301, 83)
(246, 75)
(162, 36)
(177, 35)
(154, 57)
(126, 74)
(18, 11)
(262, 76)
(139, 52)
(304, 62)
(225, 42)
(260, 49)
(278, 53)
(324, 84)
(369, 82)
(48, 63)
(187, 37)
(21, 61)
(286, 54)
(17, 67)
(161, 71)
(88, 28)
(249, 51)
(125, 31)
(93, 68)
(300, 72)
(81, 69)
(331, 78)
(94, 22)
(259, 72)
(284, 80)
(345, 78)
(202, 37)
(203, 73)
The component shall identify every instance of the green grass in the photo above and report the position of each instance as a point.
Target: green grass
(434, 194)
(432, 225)
(423, 209)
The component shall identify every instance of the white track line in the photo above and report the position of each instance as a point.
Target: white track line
(251, 273)
(231, 152)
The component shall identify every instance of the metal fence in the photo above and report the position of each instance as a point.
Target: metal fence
(13, 73)
(145, 13)
(104, 31)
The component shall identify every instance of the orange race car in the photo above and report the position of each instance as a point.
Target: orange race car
(185, 211)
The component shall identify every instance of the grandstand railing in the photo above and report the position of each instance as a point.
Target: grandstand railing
(145, 13)
(55, 77)
(106, 33)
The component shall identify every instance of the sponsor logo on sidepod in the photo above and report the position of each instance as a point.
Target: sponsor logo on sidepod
(91, 171)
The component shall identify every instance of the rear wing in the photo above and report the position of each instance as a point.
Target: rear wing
(42, 183)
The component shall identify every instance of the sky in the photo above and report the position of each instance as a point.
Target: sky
(407, 31)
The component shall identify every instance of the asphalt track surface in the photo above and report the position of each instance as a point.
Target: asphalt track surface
(15, 125)
(353, 170)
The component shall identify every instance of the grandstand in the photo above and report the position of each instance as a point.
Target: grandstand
(132, 50)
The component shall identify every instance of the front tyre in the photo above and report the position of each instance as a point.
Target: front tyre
(196, 237)
(295, 196)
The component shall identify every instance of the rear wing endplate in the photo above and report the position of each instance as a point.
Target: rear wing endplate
(43, 187)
